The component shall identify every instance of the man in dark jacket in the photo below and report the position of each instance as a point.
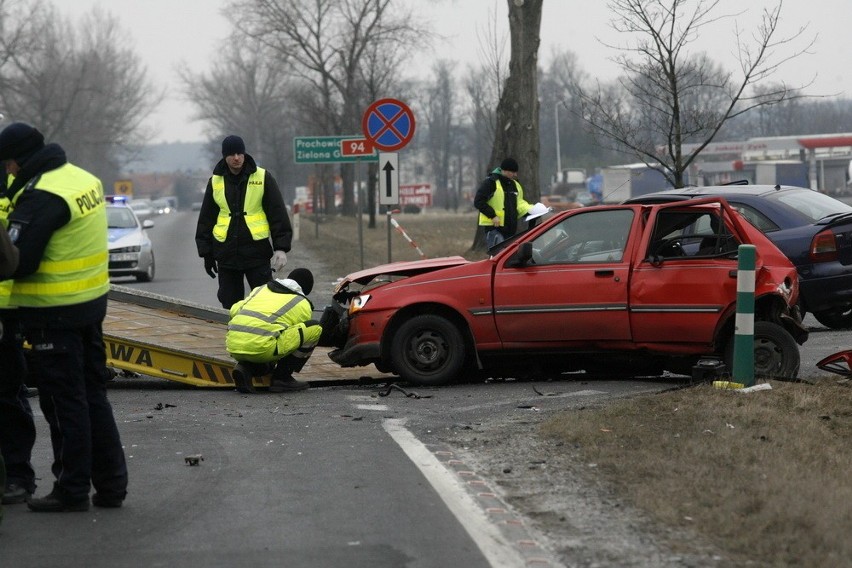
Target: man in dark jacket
(243, 229)
(17, 425)
(500, 202)
(60, 288)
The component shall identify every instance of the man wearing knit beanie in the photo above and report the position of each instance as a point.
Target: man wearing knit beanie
(233, 145)
(19, 141)
(243, 231)
(500, 202)
(59, 219)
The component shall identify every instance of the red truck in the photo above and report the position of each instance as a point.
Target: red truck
(620, 289)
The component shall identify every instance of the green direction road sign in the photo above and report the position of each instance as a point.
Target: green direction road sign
(325, 150)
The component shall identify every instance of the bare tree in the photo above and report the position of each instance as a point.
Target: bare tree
(439, 110)
(326, 42)
(574, 146)
(77, 84)
(667, 96)
(247, 93)
(516, 133)
(482, 96)
(483, 86)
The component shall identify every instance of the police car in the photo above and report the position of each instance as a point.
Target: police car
(130, 250)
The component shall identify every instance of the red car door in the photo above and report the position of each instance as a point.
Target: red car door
(575, 287)
(686, 278)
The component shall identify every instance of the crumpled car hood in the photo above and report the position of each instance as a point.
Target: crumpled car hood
(411, 268)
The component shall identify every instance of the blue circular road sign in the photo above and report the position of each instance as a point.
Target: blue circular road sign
(388, 124)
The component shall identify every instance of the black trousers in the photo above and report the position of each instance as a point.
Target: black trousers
(71, 368)
(17, 427)
(231, 286)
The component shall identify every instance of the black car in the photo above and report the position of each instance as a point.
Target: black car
(811, 228)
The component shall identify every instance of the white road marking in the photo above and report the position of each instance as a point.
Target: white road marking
(470, 515)
(381, 407)
(360, 397)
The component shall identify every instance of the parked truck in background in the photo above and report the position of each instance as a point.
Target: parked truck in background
(630, 180)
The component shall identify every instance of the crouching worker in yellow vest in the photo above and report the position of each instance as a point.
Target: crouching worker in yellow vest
(273, 326)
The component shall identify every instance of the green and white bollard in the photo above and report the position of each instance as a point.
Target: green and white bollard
(744, 323)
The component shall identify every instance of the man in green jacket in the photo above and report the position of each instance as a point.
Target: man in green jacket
(500, 201)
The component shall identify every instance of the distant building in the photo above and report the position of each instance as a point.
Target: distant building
(819, 161)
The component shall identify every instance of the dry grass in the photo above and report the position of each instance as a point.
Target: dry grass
(336, 242)
(763, 476)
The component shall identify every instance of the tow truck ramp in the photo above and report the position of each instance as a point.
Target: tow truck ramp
(158, 336)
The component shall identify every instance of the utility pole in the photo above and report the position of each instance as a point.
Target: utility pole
(558, 150)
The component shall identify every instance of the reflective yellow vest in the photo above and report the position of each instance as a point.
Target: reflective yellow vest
(496, 203)
(268, 325)
(6, 204)
(253, 207)
(6, 207)
(74, 268)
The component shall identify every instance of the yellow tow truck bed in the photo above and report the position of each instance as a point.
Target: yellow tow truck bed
(167, 338)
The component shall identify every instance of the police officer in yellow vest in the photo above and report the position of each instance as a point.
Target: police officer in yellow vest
(500, 202)
(273, 325)
(60, 288)
(8, 264)
(243, 229)
(17, 426)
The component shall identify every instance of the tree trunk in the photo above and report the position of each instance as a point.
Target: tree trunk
(517, 112)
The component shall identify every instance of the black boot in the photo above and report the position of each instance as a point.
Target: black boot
(283, 381)
(242, 376)
(56, 502)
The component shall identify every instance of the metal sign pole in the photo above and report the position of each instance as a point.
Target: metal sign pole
(360, 211)
(389, 232)
(315, 200)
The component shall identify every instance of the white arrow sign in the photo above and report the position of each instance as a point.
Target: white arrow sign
(388, 178)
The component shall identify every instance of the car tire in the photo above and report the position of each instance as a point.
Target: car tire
(776, 354)
(148, 275)
(428, 350)
(835, 319)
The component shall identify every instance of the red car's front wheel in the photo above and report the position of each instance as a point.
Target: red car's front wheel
(428, 350)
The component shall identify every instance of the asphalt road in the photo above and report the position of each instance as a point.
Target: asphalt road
(333, 476)
(337, 476)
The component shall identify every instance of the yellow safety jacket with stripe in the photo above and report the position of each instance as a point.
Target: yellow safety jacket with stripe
(74, 267)
(269, 325)
(497, 203)
(255, 217)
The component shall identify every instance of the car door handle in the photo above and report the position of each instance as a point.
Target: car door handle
(604, 273)
(732, 273)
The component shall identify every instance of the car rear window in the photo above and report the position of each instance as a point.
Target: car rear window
(811, 204)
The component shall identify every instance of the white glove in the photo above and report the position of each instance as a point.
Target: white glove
(278, 260)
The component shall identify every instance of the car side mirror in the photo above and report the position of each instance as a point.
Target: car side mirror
(147, 224)
(522, 256)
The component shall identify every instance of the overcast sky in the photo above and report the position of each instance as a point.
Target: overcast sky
(166, 32)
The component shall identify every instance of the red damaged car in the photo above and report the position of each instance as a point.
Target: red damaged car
(621, 289)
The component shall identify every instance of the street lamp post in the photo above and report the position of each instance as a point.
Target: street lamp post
(558, 150)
